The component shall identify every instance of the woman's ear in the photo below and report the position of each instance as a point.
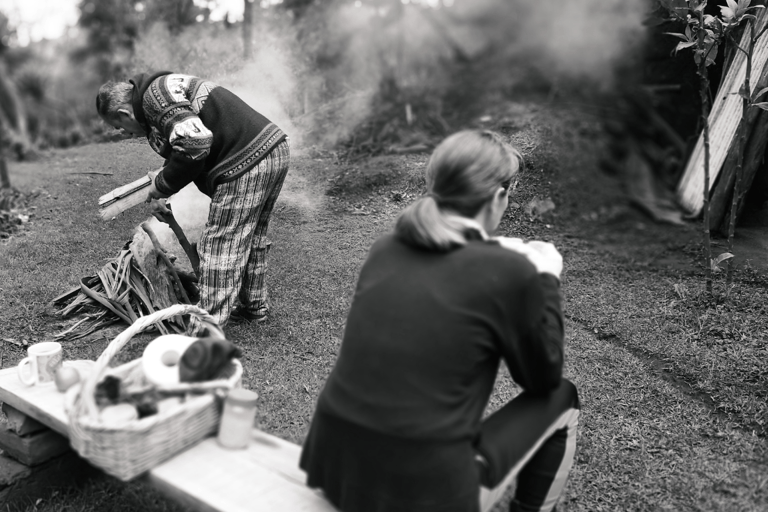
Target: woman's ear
(500, 196)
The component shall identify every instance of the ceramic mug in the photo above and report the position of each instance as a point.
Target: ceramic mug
(43, 361)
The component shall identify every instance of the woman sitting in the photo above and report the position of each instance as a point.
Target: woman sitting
(398, 426)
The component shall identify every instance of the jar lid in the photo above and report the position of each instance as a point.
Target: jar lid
(242, 397)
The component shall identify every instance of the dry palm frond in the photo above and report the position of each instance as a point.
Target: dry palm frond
(120, 291)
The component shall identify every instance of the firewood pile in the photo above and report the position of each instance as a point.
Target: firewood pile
(142, 279)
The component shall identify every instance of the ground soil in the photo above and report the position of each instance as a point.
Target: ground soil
(750, 242)
(664, 427)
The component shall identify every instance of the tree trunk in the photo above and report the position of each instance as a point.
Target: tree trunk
(705, 108)
(5, 179)
(248, 29)
(13, 116)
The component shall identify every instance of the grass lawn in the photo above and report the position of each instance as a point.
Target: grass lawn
(673, 385)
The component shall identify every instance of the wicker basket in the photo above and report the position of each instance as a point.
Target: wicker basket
(129, 450)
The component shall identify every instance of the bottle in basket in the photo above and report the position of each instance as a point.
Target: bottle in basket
(237, 418)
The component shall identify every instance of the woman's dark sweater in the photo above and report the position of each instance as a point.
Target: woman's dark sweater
(427, 330)
(399, 418)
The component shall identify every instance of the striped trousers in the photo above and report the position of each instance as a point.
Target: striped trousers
(532, 439)
(233, 246)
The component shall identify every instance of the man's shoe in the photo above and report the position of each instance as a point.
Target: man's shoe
(244, 316)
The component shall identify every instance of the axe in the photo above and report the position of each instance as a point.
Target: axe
(163, 213)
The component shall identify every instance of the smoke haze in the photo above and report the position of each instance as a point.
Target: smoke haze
(318, 77)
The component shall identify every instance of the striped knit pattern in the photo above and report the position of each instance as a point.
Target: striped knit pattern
(239, 163)
(172, 104)
(233, 248)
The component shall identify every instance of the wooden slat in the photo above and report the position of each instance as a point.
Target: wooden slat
(123, 204)
(43, 402)
(123, 198)
(124, 191)
(263, 478)
(724, 120)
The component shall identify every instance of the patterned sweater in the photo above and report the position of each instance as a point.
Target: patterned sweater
(206, 133)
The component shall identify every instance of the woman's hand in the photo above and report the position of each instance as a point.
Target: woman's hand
(153, 193)
(548, 260)
(543, 255)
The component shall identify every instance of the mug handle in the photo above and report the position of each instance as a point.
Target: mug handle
(24, 362)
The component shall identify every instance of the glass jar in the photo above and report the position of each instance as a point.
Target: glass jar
(237, 418)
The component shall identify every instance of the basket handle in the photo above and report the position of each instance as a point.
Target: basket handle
(88, 390)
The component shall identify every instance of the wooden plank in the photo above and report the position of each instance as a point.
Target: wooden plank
(43, 402)
(123, 198)
(123, 204)
(724, 120)
(124, 191)
(720, 199)
(19, 422)
(264, 477)
(33, 449)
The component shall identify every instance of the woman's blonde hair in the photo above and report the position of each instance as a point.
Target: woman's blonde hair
(463, 174)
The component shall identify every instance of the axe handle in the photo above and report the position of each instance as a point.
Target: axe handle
(191, 251)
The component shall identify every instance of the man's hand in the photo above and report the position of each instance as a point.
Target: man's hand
(159, 210)
(153, 193)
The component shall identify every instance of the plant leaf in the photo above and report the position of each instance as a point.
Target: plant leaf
(678, 35)
(683, 45)
(700, 7)
(763, 105)
(727, 13)
(719, 259)
(760, 93)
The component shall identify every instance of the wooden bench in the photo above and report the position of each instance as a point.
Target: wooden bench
(263, 478)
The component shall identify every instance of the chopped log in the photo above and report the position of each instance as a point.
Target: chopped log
(161, 293)
(122, 198)
(176, 282)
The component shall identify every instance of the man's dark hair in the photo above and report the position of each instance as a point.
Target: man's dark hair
(112, 96)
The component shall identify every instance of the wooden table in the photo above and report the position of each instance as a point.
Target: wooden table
(265, 477)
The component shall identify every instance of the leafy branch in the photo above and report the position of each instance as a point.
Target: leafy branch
(705, 34)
